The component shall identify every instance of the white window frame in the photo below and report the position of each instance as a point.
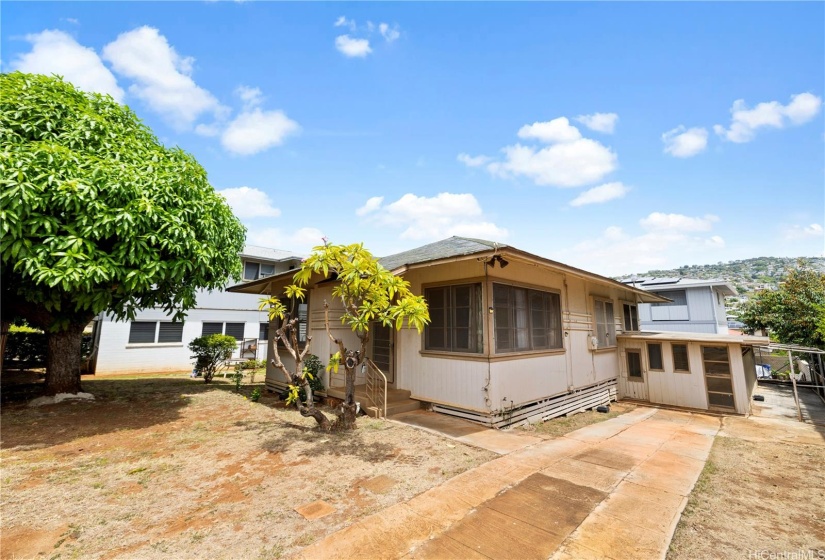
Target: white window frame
(609, 339)
(156, 335)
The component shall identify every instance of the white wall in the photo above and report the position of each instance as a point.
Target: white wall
(697, 316)
(117, 356)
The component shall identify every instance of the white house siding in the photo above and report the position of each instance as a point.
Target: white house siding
(702, 314)
(688, 390)
(117, 356)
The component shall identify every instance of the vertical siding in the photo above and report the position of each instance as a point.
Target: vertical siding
(701, 304)
(678, 389)
(741, 395)
(625, 388)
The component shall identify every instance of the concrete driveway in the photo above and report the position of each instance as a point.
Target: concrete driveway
(610, 490)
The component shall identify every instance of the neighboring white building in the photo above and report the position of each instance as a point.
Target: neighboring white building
(154, 343)
(696, 306)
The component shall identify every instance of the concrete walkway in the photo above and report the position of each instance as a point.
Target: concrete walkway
(611, 490)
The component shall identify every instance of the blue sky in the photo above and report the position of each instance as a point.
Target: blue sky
(616, 137)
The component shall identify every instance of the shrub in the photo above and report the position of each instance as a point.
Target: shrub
(211, 352)
(256, 395)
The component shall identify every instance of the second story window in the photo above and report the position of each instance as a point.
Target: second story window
(254, 270)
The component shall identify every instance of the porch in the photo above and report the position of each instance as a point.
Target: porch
(398, 400)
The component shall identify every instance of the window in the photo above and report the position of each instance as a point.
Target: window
(634, 365)
(253, 270)
(654, 356)
(717, 376)
(148, 332)
(631, 317)
(212, 328)
(680, 358)
(605, 323)
(263, 331)
(234, 330)
(678, 296)
(294, 308)
(455, 319)
(526, 319)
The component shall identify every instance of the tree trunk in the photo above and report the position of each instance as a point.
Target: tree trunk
(347, 420)
(5, 333)
(63, 360)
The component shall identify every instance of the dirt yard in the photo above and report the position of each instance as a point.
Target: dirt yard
(169, 467)
(557, 427)
(762, 491)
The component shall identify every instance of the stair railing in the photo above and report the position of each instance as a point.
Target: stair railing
(376, 386)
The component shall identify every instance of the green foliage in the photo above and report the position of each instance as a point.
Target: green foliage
(27, 347)
(96, 214)
(795, 313)
(211, 352)
(256, 395)
(312, 369)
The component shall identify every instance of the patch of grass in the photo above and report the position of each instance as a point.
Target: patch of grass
(138, 470)
(557, 427)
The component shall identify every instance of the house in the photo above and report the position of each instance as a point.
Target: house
(154, 343)
(513, 336)
(691, 370)
(695, 305)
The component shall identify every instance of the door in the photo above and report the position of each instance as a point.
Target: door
(718, 381)
(382, 350)
(632, 373)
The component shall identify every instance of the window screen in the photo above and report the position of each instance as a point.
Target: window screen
(678, 296)
(605, 323)
(235, 330)
(250, 271)
(212, 328)
(526, 319)
(170, 332)
(634, 364)
(455, 319)
(142, 332)
(267, 270)
(654, 356)
(680, 358)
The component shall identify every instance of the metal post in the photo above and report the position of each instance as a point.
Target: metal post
(820, 378)
(793, 380)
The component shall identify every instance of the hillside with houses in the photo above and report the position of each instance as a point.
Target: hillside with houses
(747, 275)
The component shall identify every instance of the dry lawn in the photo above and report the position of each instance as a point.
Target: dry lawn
(762, 491)
(557, 427)
(173, 468)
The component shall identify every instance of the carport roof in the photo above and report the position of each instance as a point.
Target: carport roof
(744, 340)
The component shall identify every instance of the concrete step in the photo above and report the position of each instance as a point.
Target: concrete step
(402, 406)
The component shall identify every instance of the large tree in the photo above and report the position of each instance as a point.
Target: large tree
(795, 313)
(97, 215)
(367, 293)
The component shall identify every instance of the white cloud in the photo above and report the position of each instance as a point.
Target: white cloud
(351, 47)
(56, 52)
(600, 122)
(616, 251)
(299, 241)
(370, 206)
(802, 232)
(472, 161)
(429, 218)
(389, 33)
(562, 165)
(248, 202)
(344, 22)
(253, 131)
(600, 194)
(745, 122)
(661, 222)
(249, 96)
(162, 77)
(684, 143)
(555, 131)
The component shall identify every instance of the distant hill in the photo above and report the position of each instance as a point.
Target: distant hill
(748, 275)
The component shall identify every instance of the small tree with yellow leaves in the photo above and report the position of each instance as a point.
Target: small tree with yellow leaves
(368, 293)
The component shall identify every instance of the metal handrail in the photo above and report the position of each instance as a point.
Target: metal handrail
(376, 387)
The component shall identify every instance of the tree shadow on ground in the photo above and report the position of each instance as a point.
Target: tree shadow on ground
(119, 405)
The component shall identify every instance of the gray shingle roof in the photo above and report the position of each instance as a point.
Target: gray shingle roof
(265, 253)
(444, 249)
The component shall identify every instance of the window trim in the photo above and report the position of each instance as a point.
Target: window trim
(156, 336)
(634, 378)
(257, 270)
(635, 308)
(611, 326)
(480, 320)
(650, 367)
(531, 350)
(687, 357)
